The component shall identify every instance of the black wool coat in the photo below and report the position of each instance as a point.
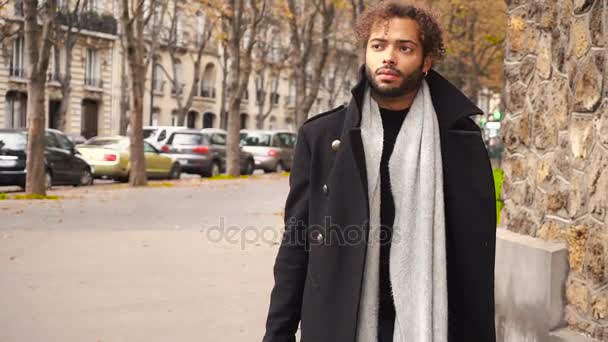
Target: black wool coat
(319, 266)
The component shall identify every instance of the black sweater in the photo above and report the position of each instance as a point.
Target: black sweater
(391, 122)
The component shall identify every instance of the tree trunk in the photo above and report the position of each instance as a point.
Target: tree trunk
(124, 96)
(234, 122)
(133, 34)
(137, 173)
(35, 176)
(38, 45)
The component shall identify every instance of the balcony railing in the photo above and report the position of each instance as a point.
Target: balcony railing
(208, 92)
(93, 82)
(90, 20)
(54, 77)
(16, 72)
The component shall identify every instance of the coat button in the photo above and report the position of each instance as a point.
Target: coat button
(325, 189)
(335, 145)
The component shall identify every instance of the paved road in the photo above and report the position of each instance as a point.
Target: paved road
(108, 263)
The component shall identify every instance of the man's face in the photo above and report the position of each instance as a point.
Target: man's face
(394, 58)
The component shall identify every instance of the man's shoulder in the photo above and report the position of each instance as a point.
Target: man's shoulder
(326, 119)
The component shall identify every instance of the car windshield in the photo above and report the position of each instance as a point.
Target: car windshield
(111, 143)
(255, 139)
(13, 141)
(148, 132)
(188, 139)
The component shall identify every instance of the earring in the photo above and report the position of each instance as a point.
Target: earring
(426, 73)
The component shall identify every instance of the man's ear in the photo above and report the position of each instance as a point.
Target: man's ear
(428, 63)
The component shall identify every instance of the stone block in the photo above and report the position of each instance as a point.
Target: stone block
(530, 279)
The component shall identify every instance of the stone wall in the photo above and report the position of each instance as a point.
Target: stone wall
(556, 136)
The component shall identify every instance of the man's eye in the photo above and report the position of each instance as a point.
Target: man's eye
(406, 49)
(375, 46)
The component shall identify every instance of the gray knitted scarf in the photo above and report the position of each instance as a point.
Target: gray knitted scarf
(418, 256)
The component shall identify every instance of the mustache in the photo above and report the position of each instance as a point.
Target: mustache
(392, 68)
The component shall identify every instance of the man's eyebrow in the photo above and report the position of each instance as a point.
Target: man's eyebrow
(401, 41)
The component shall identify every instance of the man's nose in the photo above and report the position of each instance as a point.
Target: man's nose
(389, 56)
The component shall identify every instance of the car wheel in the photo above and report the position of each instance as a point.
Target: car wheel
(215, 169)
(279, 168)
(249, 168)
(176, 171)
(86, 178)
(48, 180)
(124, 179)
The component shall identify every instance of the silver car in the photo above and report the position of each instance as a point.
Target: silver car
(272, 150)
(203, 152)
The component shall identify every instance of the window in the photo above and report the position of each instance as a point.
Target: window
(274, 98)
(16, 110)
(92, 69)
(255, 139)
(92, 5)
(55, 64)
(162, 135)
(13, 141)
(260, 96)
(158, 78)
(189, 139)
(200, 26)
(64, 142)
(17, 67)
(218, 139)
(149, 148)
(51, 140)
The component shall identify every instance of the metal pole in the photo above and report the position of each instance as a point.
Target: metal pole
(152, 79)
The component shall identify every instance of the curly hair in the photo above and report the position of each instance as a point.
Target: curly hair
(431, 34)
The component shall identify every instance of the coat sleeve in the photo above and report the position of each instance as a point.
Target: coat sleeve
(292, 258)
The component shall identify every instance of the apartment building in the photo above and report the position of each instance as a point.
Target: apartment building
(90, 106)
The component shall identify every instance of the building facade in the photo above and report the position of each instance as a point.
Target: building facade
(90, 105)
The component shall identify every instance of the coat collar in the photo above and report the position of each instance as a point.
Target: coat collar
(450, 103)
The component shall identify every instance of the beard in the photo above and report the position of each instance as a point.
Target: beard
(409, 83)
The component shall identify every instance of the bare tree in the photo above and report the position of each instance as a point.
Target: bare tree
(69, 35)
(193, 49)
(269, 56)
(241, 20)
(135, 16)
(341, 67)
(38, 32)
(310, 48)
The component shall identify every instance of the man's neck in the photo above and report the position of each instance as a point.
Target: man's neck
(395, 103)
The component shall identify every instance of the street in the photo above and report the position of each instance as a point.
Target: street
(189, 260)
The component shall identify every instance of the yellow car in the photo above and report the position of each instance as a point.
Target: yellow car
(109, 158)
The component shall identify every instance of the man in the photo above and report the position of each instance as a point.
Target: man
(390, 219)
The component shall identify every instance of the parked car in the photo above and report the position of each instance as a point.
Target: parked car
(272, 150)
(63, 163)
(109, 157)
(203, 152)
(158, 135)
(76, 138)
